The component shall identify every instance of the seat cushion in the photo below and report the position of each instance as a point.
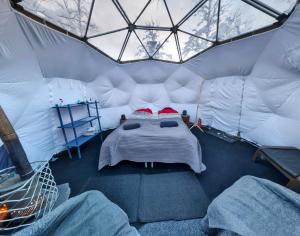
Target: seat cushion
(287, 159)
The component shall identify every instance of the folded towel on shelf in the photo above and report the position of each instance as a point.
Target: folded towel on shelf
(131, 126)
(170, 123)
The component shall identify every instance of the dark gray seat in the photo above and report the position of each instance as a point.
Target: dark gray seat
(285, 159)
(288, 159)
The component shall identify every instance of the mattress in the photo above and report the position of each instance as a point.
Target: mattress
(151, 143)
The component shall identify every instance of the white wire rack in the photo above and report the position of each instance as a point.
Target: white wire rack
(24, 203)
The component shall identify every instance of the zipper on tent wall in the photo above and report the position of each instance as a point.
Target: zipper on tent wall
(241, 107)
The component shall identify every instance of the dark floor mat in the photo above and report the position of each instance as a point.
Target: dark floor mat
(171, 196)
(154, 197)
(120, 189)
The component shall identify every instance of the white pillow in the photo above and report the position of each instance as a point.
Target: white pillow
(169, 115)
(143, 115)
(140, 115)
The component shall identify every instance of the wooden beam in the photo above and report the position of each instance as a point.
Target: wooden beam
(14, 147)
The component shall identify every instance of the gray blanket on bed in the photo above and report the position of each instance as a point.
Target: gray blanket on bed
(151, 143)
(254, 206)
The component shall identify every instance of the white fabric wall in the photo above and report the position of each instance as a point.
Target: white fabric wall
(23, 90)
(249, 86)
(221, 100)
(271, 111)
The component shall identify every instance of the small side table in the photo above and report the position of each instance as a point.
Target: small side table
(186, 119)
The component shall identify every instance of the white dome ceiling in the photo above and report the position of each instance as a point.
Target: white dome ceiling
(167, 30)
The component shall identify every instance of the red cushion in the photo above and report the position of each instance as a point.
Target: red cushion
(167, 110)
(147, 110)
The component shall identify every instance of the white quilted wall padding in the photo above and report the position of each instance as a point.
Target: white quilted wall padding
(221, 103)
(233, 58)
(293, 56)
(183, 86)
(110, 117)
(149, 72)
(150, 93)
(4, 6)
(113, 88)
(270, 113)
(125, 88)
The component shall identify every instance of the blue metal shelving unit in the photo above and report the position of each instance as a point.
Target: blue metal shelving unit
(78, 140)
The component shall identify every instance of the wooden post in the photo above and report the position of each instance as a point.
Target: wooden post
(14, 147)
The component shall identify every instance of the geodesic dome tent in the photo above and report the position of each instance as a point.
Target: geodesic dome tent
(238, 59)
(235, 64)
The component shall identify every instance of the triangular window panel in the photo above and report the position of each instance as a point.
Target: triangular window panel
(105, 18)
(178, 9)
(152, 39)
(203, 22)
(238, 17)
(133, 8)
(134, 49)
(110, 44)
(168, 51)
(190, 45)
(283, 6)
(155, 14)
(69, 15)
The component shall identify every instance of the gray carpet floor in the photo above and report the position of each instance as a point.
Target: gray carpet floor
(173, 228)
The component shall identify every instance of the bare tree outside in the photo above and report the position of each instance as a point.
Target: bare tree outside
(71, 15)
(229, 24)
(152, 43)
(206, 27)
(152, 40)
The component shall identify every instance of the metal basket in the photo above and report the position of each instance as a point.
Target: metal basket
(24, 202)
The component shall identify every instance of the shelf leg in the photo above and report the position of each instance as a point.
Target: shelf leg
(63, 129)
(101, 135)
(79, 153)
(89, 113)
(100, 129)
(69, 153)
(74, 130)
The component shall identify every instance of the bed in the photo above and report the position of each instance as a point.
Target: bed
(151, 143)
